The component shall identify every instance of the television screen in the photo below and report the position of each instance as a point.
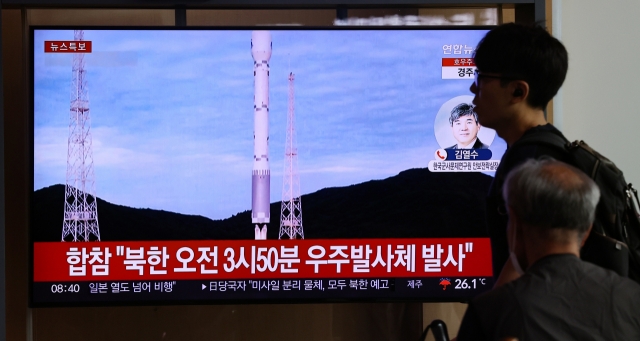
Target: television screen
(278, 164)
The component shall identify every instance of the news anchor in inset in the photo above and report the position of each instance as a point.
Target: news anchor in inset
(465, 127)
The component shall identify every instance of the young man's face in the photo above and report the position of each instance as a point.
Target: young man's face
(491, 100)
(465, 130)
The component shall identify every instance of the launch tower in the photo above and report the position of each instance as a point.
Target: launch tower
(80, 206)
(291, 209)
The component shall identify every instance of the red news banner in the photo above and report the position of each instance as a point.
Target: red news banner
(458, 62)
(67, 46)
(233, 259)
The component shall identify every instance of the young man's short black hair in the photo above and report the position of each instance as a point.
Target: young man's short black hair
(528, 53)
(462, 109)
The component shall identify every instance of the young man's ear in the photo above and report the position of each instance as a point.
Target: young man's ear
(520, 90)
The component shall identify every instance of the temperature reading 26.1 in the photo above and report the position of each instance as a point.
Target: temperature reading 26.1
(463, 284)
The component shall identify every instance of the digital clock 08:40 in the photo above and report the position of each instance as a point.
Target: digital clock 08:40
(60, 288)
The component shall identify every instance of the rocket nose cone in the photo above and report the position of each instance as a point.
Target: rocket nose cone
(261, 45)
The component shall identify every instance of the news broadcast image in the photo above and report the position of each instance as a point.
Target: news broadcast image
(280, 165)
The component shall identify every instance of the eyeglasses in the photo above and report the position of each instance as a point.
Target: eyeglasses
(477, 75)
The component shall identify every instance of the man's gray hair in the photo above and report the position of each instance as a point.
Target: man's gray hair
(462, 109)
(551, 195)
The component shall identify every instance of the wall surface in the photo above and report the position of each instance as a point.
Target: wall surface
(598, 100)
(16, 135)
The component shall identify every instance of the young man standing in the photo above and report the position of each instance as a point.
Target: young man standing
(519, 70)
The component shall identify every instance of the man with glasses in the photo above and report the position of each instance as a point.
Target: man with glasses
(519, 70)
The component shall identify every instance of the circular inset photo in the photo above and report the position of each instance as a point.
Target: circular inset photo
(457, 126)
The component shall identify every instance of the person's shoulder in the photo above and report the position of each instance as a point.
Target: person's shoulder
(628, 289)
(522, 150)
(494, 314)
(624, 301)
(494, 299)
(455, 146)
(532, 135)
(626, 305)
(544, 129)
(621, 288)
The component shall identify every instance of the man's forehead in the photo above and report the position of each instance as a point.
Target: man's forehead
(464, 117)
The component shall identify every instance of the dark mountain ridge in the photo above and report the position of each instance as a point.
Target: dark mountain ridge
(414, 203)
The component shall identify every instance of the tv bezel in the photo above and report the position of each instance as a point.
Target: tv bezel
(31, 149)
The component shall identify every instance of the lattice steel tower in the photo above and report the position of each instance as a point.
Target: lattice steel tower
(291, 209)
(80, 206)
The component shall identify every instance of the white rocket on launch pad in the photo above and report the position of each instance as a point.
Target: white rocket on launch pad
(261, 175)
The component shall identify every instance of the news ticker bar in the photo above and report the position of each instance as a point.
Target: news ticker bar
(282, 259)
(425, 288)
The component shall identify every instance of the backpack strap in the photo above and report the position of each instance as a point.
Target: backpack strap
(560, 143)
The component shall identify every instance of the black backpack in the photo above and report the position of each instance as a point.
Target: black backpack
(614, 242)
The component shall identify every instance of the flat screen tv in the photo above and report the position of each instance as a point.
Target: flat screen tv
(272, 164)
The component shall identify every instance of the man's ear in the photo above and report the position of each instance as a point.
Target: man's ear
(519, 90)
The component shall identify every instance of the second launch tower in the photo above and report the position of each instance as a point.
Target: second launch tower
(291, 208)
